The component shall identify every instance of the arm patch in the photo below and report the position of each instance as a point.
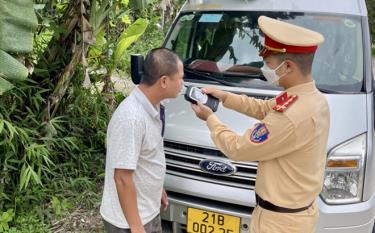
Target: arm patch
(259, 134)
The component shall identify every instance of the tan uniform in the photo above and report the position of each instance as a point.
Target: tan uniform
(290, 144)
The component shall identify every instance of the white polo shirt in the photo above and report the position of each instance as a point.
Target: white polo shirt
(134, 142)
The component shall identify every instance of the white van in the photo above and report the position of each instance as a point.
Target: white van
(225, 33)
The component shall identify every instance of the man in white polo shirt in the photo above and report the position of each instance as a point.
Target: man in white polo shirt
(135, 161)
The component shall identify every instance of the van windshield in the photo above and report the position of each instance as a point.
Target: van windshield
(226, 45)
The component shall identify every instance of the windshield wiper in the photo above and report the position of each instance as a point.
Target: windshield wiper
(330, 91)
(217, 77)
(259, 76)
(209, 77)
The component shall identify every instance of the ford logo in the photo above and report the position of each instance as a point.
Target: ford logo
(217, 167)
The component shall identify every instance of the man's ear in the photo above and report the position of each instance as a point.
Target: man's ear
(163, 81)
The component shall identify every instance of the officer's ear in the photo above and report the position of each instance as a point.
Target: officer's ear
(290, 66)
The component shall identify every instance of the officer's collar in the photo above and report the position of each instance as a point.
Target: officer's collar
(304, 87)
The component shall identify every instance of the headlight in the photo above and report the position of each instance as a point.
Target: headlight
(343, 182)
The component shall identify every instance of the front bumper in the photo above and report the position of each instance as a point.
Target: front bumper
(354, 218)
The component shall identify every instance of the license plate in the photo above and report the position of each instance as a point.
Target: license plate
(203, 221)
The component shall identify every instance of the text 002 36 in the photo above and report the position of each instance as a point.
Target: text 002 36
(211, 222)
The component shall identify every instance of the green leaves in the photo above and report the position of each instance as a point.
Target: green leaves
(4, 85)
(11, 130)
(24, 149)
(60, 206)
(35, 160)
(129, 36)
(10, 69)
(27, 174)
(1, 125)
(125, 2)
(17, 23)
(99, 12)
(139, 4)
(125, 19)
(371, 14)
(5, 218)
(47, 164)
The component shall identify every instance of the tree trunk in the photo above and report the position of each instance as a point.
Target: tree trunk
(108, 89)
(63, 82)
(68, 52)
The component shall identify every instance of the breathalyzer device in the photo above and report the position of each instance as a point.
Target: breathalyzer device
(195, 94)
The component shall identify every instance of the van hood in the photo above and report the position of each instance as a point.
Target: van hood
(347, 112)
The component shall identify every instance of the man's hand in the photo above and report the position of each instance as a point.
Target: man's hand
(221, 95)
(164, 200)
(202, 111)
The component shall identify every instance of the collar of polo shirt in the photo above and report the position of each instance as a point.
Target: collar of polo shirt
(150, 109)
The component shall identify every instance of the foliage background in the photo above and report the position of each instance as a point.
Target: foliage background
(52, 152)
(371, 15)
(52, 162)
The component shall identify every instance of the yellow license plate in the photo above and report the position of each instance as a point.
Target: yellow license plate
(203, 221)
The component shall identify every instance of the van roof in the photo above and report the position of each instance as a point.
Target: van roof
(348, 7)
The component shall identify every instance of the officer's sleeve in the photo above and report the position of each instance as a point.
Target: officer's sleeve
(249, 106)
(271, 138)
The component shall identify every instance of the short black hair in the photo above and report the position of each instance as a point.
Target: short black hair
(159, 62)
(304, 61)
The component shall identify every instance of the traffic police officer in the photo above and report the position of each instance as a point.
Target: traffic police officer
(290, 139)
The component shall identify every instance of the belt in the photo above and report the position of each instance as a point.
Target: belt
(269, 206)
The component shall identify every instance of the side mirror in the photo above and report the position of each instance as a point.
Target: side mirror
(136, 68)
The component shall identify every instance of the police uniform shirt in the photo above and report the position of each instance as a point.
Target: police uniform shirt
(289, 142)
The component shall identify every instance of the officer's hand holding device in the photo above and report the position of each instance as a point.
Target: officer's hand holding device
(195, 94)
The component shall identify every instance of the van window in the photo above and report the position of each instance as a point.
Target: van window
(228, 43)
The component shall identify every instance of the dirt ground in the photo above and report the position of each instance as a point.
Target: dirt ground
(80, 221)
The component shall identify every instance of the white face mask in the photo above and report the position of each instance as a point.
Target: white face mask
(270, 74)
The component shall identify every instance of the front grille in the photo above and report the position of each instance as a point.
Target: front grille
(183, 160)
(194, 149)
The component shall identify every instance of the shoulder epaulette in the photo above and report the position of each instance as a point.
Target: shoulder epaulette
(283, 101)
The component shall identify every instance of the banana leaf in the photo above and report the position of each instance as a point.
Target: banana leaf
(17, 23)
(129, 36)
(4, 85)
(11, 68)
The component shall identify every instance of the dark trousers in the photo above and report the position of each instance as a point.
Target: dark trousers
(154, 226)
